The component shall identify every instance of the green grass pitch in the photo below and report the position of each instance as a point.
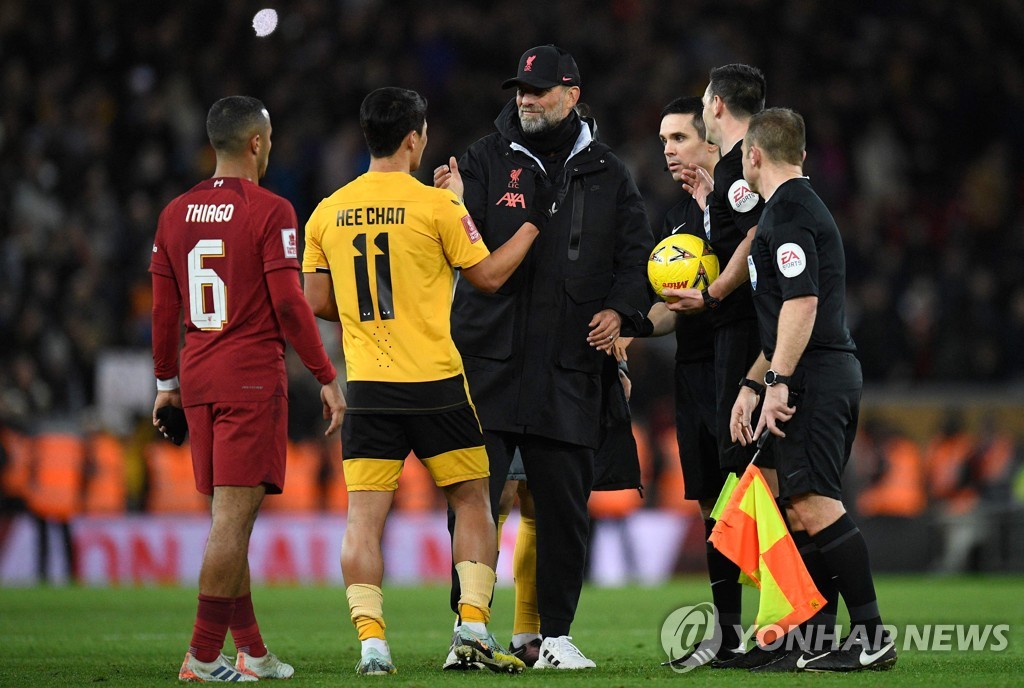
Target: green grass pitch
(137, 636)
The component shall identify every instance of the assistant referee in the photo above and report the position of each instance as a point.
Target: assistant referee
(798, 276)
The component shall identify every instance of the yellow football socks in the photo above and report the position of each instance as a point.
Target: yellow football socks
(477, 583)
(524, 573)
(366, 607)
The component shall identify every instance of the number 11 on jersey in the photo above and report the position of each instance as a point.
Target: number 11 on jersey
(382, 265)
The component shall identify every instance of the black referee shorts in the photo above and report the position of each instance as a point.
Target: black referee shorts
(813, 454)
(737, 346)
(695, 429)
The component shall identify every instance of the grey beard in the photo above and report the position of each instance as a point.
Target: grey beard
(536, 125)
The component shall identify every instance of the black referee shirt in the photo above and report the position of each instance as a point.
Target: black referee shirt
(797, 251)
(733, 208)
(694, 336)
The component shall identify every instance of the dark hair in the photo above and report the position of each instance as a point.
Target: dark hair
(741, 86)
(388, 115)
(780, 133)
(232, 120)
(689, 105)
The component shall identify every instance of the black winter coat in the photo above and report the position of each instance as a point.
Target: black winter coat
(528, 363)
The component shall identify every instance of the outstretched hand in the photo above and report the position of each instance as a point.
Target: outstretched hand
(544, 203)
(698, 182)
(449, 177)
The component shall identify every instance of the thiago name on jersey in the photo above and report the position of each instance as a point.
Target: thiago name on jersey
(209, 212)
(384, 215)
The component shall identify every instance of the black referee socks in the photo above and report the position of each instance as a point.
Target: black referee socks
(821, 626)
(845, 555)
(726, 591)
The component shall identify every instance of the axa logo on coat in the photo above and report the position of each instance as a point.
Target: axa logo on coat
(512, 200)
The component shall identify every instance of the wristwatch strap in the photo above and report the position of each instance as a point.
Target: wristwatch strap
(776, 379)
(752, 384)
(710, 302)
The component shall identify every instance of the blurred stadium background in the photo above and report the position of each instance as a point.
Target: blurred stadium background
(914, 140)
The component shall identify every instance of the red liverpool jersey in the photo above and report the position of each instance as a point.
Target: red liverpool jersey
(216, 242)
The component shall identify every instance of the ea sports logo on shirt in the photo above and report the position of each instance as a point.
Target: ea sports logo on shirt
(741, 197)
(791, 259)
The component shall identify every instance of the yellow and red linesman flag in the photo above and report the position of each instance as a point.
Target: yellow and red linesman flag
(752, 533)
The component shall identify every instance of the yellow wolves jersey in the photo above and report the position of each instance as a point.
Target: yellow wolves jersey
(390, 243)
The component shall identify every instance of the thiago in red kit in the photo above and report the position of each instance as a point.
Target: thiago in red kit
(227, 250)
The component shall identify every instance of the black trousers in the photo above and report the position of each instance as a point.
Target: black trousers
(696, 428)
(560, 476)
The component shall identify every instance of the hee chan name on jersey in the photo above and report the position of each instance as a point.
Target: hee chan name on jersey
(371, 216)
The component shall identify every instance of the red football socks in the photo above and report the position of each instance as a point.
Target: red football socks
(244, 629)
(212, 620)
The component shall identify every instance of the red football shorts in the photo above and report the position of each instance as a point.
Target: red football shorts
(239, 443)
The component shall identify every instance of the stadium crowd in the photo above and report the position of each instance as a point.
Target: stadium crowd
(102, 105)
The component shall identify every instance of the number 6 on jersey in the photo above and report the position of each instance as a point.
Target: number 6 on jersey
(199, 278)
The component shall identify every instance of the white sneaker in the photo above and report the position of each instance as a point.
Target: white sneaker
(373, 662)
(267, 666)
(219, 670)
(560, 653)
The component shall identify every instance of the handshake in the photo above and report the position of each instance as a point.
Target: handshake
(545, 202)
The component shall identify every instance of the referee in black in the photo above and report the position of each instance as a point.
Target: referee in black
(735, 92)
(798, 275)
(684, 140)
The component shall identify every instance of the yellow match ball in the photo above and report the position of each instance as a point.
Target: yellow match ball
(681, 261)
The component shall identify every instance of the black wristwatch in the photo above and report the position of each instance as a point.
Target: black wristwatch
(710, 302)
(771, 378)
(752, 384)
